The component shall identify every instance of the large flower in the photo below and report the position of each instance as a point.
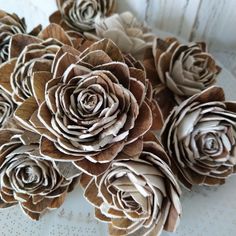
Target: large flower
(29, 54)
(181, 70)
(90, 107)
(7, 108)
(26, 179)
(124, 29)
(137, 196)
(200, 136)
(11, 24)
(79, 15)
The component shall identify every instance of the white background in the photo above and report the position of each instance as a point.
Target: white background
(206, 211)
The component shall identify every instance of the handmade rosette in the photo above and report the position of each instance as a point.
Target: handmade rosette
(26, 178)
(137, 196)
(29, 54)
(179, 71)
(126, 31)
(10, 24)
(200, 138)
(90, 107)
(79, 15)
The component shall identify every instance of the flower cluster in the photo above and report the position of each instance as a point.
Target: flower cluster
(82, 101)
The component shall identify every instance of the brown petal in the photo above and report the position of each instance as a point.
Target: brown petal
(85, 180)
(91, 194)
(55, 17)
(108, 47)
(172, 220)
(100, 216)
(32, 215)
(55, 31)
(35, 31)
(132, 150)
(48, 149)
(18, 43)
(57, 202)
(5, 205)
(5, 71)
(157, 116)
(110, 153)
(91, 168)
(211, 94)
(138, 90)
(24, 112)
(142, 124)
(39, 81)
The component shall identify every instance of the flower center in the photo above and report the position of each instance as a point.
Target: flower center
(29, 175)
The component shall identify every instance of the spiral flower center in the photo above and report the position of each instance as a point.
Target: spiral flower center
(29, 175)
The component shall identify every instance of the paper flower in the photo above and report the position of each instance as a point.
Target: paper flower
(26, 179)
(79, 15)
(126, 31)
(181, 70)
(90, 107)
(137, 196)
(27, 55)
(11, 24)
(200, 138)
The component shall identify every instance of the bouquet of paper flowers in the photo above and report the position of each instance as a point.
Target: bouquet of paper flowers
(97, 99)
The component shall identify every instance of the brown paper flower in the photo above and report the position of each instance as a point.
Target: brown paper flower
(11, 24)
(26, 179)
(124, 29)
(29, 54)
(182, 70)
(201, 139)
(79, 15)
(137, 197)
(90, 107)
(7, 107)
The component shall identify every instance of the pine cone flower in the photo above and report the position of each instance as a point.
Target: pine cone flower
(126, 31)
(79, 15)
(90, 107)
(11, 24)
(200, 138)
(26, 179)
(29, 54)
(182, 70)
(7, 107)
(137, 196)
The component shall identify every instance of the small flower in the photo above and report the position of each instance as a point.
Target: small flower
(179, 71)
(29, 54)
(126, 31)
(200, 137)
(11, 24)
(137, 196)
(79, 15)
(26, 178)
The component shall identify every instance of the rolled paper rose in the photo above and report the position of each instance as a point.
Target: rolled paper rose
(11, 24)
(137, 196)
(200, 138)
(7, 107)
(90, 107)
(79, 15)
(26, 179)
(126, 31)
(182, 70)
(29, 54)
